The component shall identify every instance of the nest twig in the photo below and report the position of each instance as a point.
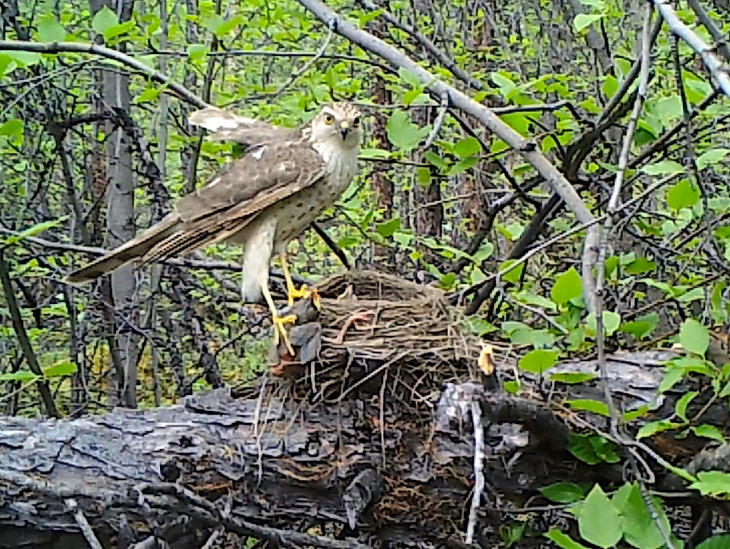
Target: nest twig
(377, 327)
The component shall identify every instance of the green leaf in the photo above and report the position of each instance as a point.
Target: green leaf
(50, 30)
(563, 540)
(402, 133)
(434, 159)
(517, 121)
(462, 165)
(34, 230)
(572, 377)
(347, 242)
(709, 431)
(409, 77)
(227, 26)
(683, 195)
(373, 154)
(13, 128)
(23, 58)
(583, 20)
(665, 167)
(713, 156)
(640, 265)
(538, 361)
(712, 483)
(716, 542)
(611, 322)
(467, 147)
(104, 20)
(118, 30)
(197, 51)
(20, 375)
(669, 108)
(505, 85)
(599, 522)
(670, 379)
(638, 525)
(642, 326)
(604, 449)
(693, 295)
(694, 337)
(563, 492)
(631, 415)
(512, 387)
(388, 228)
(589, 405)
(654, 427)
(580, 446)
(514, 273)
(681, 407)
(567, 286)
(365, 18)
(149, 94)
(610, 86)
(60, 369)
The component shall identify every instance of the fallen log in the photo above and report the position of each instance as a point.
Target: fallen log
(357, 452)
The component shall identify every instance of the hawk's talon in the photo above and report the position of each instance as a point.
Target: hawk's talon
(306, 293)
(280, 331)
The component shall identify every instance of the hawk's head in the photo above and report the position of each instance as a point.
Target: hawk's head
(338, 124)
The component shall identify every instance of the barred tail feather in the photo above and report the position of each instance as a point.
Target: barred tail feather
(137, 247)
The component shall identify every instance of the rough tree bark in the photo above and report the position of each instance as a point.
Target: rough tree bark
(271, 467)
(120, 214)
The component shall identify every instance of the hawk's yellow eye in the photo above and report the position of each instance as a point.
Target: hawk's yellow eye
(356, 122)
(329, 119)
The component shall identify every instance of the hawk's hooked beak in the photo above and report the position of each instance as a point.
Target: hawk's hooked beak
(344, 129)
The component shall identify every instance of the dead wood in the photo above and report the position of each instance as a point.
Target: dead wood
(370, 445)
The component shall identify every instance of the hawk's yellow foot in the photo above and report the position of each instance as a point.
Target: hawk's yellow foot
(279, 323)
(306, 293)
(292, 292)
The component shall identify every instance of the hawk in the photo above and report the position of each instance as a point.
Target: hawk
(262, 200)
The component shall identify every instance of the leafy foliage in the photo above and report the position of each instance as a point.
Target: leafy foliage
(466, 214)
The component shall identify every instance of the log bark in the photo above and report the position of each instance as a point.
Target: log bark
(362, 471)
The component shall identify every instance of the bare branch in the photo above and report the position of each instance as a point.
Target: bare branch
(23, 340)
(94, 49)
(713, 63)
(527, 148)
(613, 206)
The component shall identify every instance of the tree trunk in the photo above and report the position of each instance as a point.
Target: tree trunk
(120, 216)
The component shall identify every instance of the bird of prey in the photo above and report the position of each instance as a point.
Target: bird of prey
(262, 200)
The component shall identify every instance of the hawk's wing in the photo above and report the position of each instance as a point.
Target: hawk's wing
(232, 199)
(227, 126)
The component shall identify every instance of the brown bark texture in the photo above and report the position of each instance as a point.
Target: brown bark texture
(364, 471)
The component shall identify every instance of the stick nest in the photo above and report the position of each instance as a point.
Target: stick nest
(381, 333)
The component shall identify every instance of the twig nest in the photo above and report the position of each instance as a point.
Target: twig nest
(381, 334)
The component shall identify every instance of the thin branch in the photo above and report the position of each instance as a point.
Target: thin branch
(629, 80)
(23, 339)
(427, 44)
(711, 27)
(308, 65)
(438, 122)
(206, 265)
(545, 107)
(94, 49)
(613, 204)
(214, 516)
(479, 456)
(558, 237)
(713, 63)
(83, 524)
(527, 148)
